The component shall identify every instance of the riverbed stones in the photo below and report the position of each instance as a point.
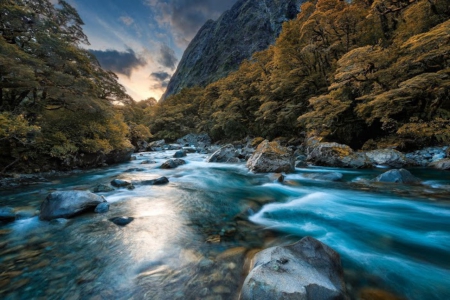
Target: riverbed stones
(7, 215)
(307, 269)
(271, 157)
(397, 176)
(226, 154)
(156, 145)
(67, 204)
(388, 157)
(122, 221)
(172, 163)
(195, 140)
(443, 164)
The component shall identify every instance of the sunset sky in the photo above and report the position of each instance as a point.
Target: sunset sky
(142, 41)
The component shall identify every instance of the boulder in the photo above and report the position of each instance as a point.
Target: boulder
(174, 147)
(172, 163)
(307, 269)
(158, 181)
(102, 208)
(179, 154)
(271, 157)
(397, 176)
(333, 176)
(119, 156)
(7, 215)
(102, 188)
(197, 140)
(66, 204)
(356, 160)
(141, 146)
(425, 156)
(119, 183)
(156, 145)
(122, 221)
(388, 157)
(331, 154)
(443, 164)
(147, 161)
(225, 154)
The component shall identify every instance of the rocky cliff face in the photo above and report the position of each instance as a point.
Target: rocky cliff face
(220, 46)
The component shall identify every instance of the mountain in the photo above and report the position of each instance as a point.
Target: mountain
(220, 46)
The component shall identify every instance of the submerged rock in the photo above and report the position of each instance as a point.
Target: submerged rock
(397, 176)
(119, 183)
(443, 164)
(226, 154)
(66, 204)
(271, 157)
(172, 163)
(332, 176)
(307, 269)
(158, 181)
(388, 157)
(122, 221)
(7, 215)
(102, 188)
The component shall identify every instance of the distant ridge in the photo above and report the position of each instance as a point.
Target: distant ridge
(220, 46)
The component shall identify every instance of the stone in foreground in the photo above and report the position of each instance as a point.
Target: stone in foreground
(158, 181)
(67, 204)
(305, 270)
(397, 176)
(172, 163)
(102, 208)
(271, 157)
(122, 221)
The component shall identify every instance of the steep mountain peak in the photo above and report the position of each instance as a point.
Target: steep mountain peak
(220, 46)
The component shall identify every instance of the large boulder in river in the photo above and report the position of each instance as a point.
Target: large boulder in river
(271, 157)
(66, 204)
(307, 269)
(388, 157)
(397, 176)
(443, 164)
(226, 154)
(336, 155)
(156, 145)
(196, 140)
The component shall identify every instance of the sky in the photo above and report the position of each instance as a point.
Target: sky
(142, 41)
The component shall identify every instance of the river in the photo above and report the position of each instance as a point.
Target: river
(192, 238)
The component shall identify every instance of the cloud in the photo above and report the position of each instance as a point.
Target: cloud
(167, 57)
(119, 62)
(161, 76)
(126, 20)
(185, 17)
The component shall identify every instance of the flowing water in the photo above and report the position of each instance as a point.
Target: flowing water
(194, 237)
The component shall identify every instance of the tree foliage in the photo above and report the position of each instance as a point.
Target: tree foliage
(55, 99)
(359, 72)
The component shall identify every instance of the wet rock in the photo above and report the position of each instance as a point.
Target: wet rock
(158, 181)
(333, 176)
(307, 269)
(271, 157)
(7, 215)
(102, 188)
(179, 154)
(281, 178)
(141, 146)
(66, 204)
(102, 208)
(300, 161)
(226, 154)
(443, 164)
(135, 170)
(119, 183)
(147, 161)
(172, 163)
(156, 145)
(329, 154)
(397, 176)
(196, 140)
(59, 221)
(425, 156)
(122, 221)
(118, 156)
(388, 157)
(174, 147)
(357, 160)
